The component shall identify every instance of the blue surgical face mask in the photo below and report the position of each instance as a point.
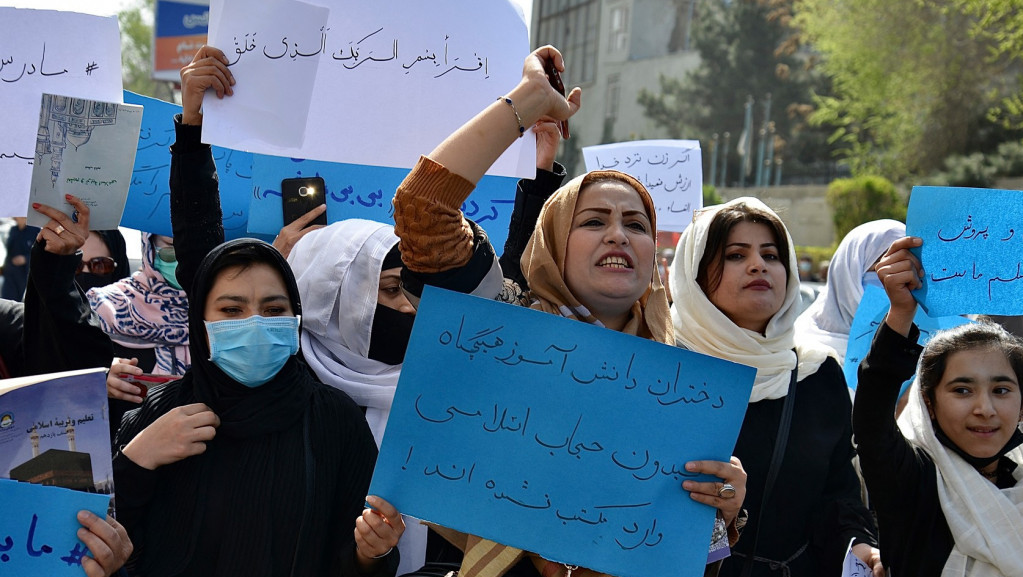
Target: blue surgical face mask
(168, 270)
(870, 279)
(253, 350)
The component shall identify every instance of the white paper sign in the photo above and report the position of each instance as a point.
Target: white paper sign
(853, 566)
(671, 170)
(85, 148)
(47, 51)
(393, 78)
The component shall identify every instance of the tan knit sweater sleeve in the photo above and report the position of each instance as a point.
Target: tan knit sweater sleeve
(427, 218)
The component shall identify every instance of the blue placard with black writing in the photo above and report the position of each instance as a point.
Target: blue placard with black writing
(558, 437)
(148, 206)
(971, 253)
(38, 528)
(869, 315)
(361, 191)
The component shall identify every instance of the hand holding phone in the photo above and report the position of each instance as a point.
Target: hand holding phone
(554, 77)
(300, 195)
(146, 380)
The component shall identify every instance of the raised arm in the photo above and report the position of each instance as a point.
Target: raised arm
(435, 236)
(474, 147)
(196, 216)
(60, 331)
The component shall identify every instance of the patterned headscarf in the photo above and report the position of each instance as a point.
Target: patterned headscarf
(144, 312)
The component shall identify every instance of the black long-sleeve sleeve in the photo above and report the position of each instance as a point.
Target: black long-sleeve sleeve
(60, 331)
(196, 216)
(901, 479)
(530, 196)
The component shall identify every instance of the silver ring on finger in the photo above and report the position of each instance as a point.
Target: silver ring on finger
(60, 228)
(727, 491)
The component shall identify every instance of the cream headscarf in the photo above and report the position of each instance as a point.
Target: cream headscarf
(986, 522)
(830, 316)
(701, 327)
(543, 262)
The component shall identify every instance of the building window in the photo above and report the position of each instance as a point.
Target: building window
(618, 37)
(614, 94)
(571, 26)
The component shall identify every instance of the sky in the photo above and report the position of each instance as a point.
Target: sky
(110, 7)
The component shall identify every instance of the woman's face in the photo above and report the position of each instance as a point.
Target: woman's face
(94, 247)
(977, 401)
(609, 259)
(753, 278)
(390, 294)
(239, 293)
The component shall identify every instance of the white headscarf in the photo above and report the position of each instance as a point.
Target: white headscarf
(830, 316)
(701, 327)
(986, 522)
(338, 269)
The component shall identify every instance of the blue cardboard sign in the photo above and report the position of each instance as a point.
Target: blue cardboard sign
(870, 314)
(558, 437)
(148, 206)
(362, 191)
(38, 528)
(971, 254)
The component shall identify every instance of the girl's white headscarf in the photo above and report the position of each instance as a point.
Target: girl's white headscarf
(338, 274)
(986, 522)
(701, 327)
(830, 316)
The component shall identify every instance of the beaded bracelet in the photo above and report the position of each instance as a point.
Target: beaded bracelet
(508, 101)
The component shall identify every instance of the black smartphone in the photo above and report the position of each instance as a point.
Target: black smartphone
(554, 77)
(300, 195)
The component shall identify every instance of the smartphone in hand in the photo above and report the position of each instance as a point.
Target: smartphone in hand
(146, 380)
(554, 77)
(300, 195)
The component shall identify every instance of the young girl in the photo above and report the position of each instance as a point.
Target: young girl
(944, 480)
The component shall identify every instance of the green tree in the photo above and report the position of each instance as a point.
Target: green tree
(746, 48)
(137, 52)
(999, 23)
(911, 84)
(854, 201)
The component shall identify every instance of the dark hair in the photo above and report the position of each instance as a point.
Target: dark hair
(244, 254)
(972, 336)
(708, 276)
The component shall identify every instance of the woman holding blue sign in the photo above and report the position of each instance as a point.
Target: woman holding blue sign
(591, 258)
(736, 293)
(247, 465)
(944, 479)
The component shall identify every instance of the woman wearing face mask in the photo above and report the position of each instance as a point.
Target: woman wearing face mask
(591, 258)
(944, 479)
(829, 318)
(357, 325)
(736, 291)
(146, 315)
(247, 465)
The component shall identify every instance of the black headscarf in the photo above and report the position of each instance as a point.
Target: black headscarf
(118, 252)
(261, 433)
(244, 411)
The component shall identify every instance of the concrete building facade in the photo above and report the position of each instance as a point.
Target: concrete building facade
(613, 49)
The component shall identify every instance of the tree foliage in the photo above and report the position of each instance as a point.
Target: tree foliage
(861, 199)
(999, 23)
(137, 52)
(911, 82)
(747, 48)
